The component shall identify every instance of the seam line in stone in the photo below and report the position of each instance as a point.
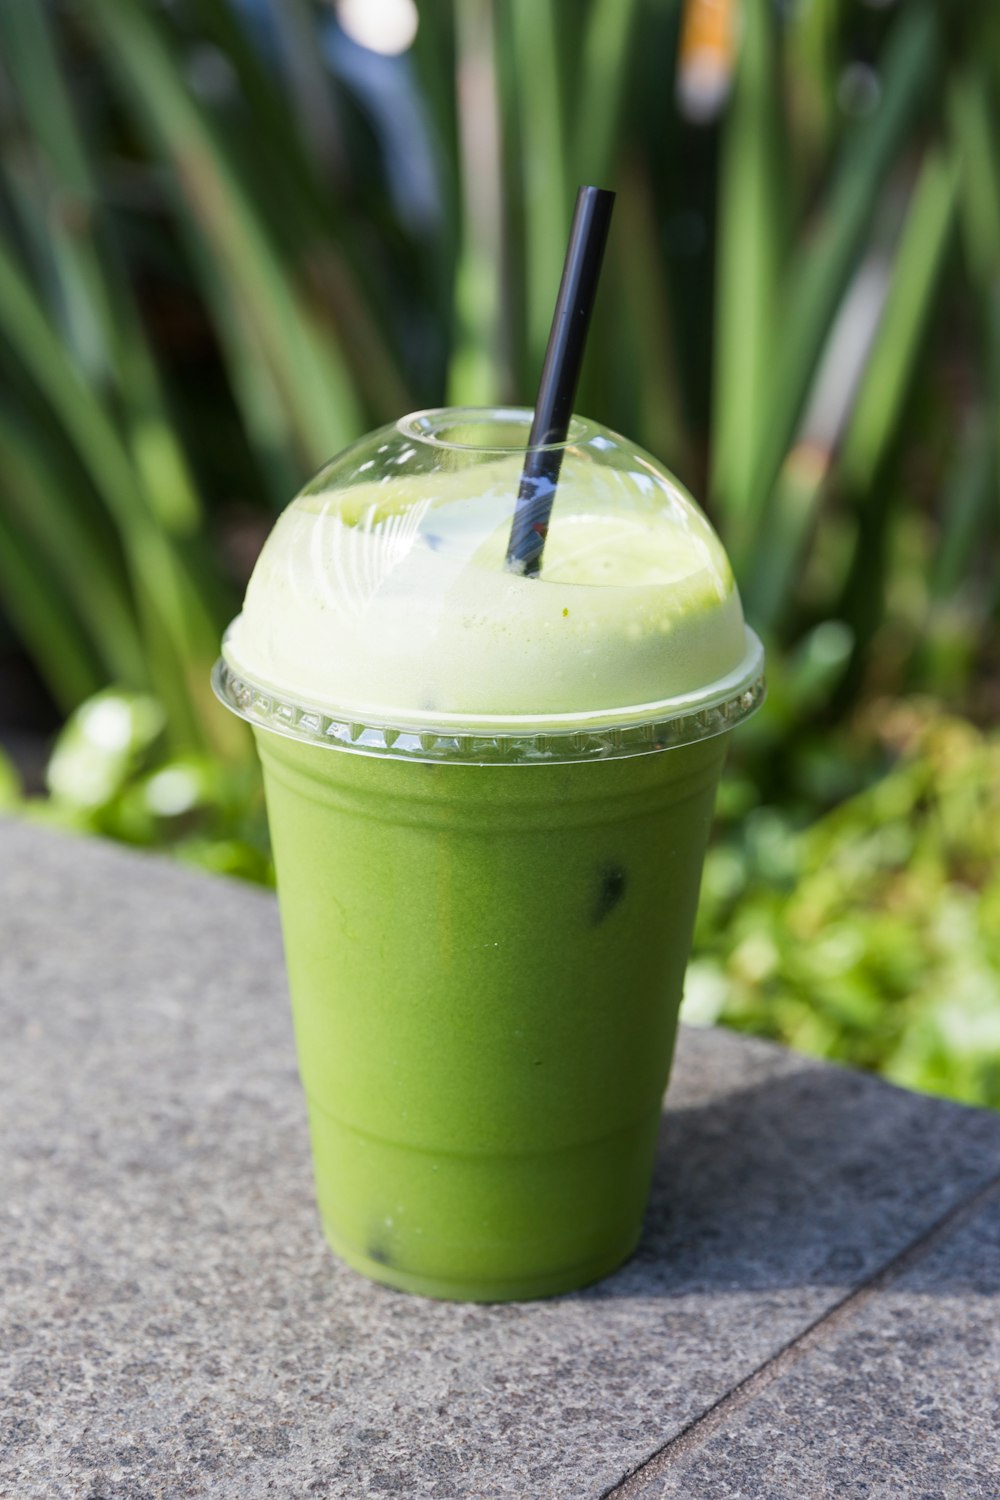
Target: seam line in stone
(704, 1426)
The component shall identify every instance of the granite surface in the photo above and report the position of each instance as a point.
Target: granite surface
(897, 1394)
(816, 1290)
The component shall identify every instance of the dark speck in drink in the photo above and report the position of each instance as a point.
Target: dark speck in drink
(612, 888)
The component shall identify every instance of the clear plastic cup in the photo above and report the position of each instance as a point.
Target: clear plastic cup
(489, 798)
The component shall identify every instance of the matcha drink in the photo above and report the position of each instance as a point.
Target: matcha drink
(489, 799)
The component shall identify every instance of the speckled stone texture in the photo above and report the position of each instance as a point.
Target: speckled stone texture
(896, 1395)
(173, 1324)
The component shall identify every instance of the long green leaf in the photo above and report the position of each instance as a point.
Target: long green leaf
(791, 513)
(308, 370)
(911, 299)
(62, 207)
(872, 418)
(277, 144)
(971, 115)
(824, 265)
(32, 338)
(41, 504)
(644, 344)
(52, 189)
(26, 43)
(968, 508)
(813, 67)
(602, 88)
(752, 182)
(44, 621)
(476, 368)
(434, 61)
(299, 175)
(546, 189)
(865, 464)
(135, 462)
(173, 617)
(266, 420)
(308, 93)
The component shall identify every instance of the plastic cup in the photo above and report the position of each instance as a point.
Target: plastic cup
(489, 799)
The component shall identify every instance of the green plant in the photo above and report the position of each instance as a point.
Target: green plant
(100, 514)
(113, 772)
(872, 936)
(280, 221)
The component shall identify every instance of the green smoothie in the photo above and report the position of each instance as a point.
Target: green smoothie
(489, 800)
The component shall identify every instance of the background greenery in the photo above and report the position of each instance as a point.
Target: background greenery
(233, 240)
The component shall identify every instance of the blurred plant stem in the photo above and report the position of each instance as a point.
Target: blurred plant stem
(820, 270)
(476, 373)
(546, 186)
(751, 249)
(308, 372)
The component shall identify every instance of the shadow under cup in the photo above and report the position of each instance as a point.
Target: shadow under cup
(486, 963)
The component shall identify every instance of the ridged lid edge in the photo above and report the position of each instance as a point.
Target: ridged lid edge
(643, 729)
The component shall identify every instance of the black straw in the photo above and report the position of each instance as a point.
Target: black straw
(560, 375)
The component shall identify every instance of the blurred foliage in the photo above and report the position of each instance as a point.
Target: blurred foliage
(112, 773)
(10, 785)
(232, 239)
(873, 935)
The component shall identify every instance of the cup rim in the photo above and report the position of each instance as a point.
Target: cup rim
(482, 739)
(427, 426)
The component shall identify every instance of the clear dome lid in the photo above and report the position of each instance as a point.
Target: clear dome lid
(382, 616)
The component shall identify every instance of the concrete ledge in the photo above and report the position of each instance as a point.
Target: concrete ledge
(813, 1309)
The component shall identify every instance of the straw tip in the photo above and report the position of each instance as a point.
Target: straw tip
(589, 190)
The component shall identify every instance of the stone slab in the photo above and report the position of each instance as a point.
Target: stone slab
(897, 1394)
(173, 1324)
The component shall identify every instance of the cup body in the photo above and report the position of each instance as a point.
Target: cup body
(489, 795)
(486, 964)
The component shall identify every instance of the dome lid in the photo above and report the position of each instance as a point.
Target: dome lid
(381, 615)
